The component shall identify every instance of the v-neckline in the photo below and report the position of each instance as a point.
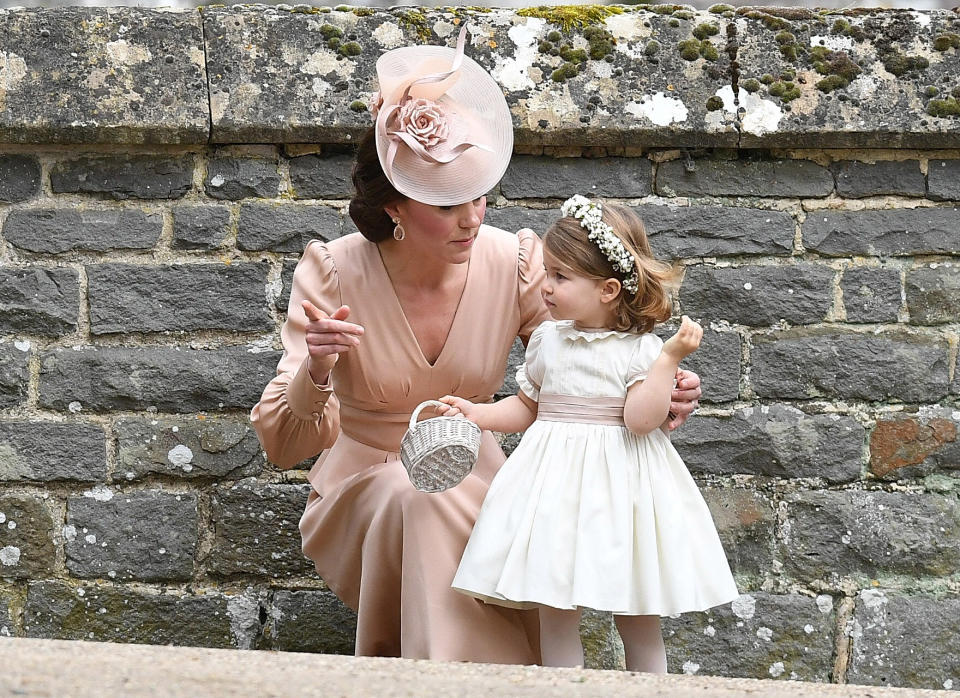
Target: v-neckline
(403, 316)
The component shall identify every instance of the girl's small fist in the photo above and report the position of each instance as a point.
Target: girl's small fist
(686, 340)
(450, 408)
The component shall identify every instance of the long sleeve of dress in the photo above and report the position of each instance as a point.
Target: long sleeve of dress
(530, 275)
(295, 418)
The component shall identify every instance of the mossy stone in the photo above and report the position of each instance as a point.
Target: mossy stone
(945, 42)
(944, 107)
(569, 16)
(351, 48)
(652, 47)
(689, 49)
(702, 31)
(358, 106)
(752, 85)
(714, 103)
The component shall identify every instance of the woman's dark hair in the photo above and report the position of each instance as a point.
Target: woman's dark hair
(372, 191)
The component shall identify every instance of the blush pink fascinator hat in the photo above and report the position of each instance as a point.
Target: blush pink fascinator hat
(443, 128)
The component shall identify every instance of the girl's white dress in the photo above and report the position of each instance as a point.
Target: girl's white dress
(585, 513)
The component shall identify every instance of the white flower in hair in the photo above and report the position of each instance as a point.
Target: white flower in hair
(590, 215)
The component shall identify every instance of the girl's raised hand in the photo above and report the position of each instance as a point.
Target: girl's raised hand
(457, 406)
(685, 341)
(327, 337)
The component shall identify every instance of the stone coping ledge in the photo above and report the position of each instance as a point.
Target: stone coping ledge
(33, 667)
(616, 76)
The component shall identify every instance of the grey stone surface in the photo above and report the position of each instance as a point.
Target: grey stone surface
(884, 178)
(19, 178)
(759, 635)
(310, 621)
(882, 232)
(602, 648)
(907, 445)
(529, 177)
(177, 297)
(125, 177)
(14, 374)
(39, 301)
(513, 218)
(871, 294)
(859, 535)
(200, 227)
(257, 530)
(51, 230)
(716, 361)
(48, 451)
(745, 520)
(149, 535)
(776, 440)
(167, 378)
(811, 364)
(285, 227)
(321, 177)
(26, 537)
(943, 180)
(7, 628)
(758, 296)
(678, 232)
(785, 178)
(237, 178)
(286, 278)
(189, 448)
(933, 294)
(905, 640)
(109, 613)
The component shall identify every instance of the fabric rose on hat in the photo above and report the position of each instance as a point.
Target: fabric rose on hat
(425, 120)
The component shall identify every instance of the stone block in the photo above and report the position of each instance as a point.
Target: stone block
(188, 448)
(933, 294)
(745, 520)
(809, 364)
(236, 178)
(321, 177)
(943, 180)
(148, 536)
(904, 640)
(758, 296)
(513, 218)
(26, 537)
(310, 621)
(7, 628)
(602, 648)
(178, 297)
(871, 294)
(893, 232)
(679, 232)
(19, 178)
(168, 378)
(717, 362)
(257, 530)
(39, 301)
(200, 227)
(858, 535)
(285, 227)
(51, 451)
(780, 178)
(856, 180)
(286, 278)
(125, 177)
(51, 230)
(776, 440)
(759, 635)
(905, 445)
(529, 177)
(14, 373)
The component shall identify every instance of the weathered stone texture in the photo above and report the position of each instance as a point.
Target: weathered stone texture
(717, 362)
(714, 231)
(783, 178)
(310, 621)
(758, 296)
(849, 366)
(19, 178)
(871, 294)
(513, 218)
(139, 177)
(933, 294)
(200, 227)
(884, 178)
(167, 378)
(559, 178)
(759, 635)
(52, 231)
(48, 451)
(236, 178)
(189, 448)
(149, 536)
(832, 535)
(14, 374)
(257, 530)
(285, 227)
(776, 440)
(321, 177)
(745, 520)
(178, 297)
(943, 180)
(882, 232)
(915, 445)
(26, 537)
(602, 648)
(39, 301)
(286, 278)
(901, 640)
(6, 622)
(107, 613)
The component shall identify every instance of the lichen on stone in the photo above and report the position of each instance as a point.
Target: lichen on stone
(900, 64)
(569, 16)
(785, 90)
(415, 21)
(945, 42)
(769, 21)
(839, 68)
(358, 106)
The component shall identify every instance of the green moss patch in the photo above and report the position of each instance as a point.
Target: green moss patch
(569, 16)
(944, 107)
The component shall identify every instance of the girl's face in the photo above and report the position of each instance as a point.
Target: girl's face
(569, 295)
(440, 233)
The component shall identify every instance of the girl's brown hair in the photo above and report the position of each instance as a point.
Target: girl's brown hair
(567, 241)
(372, 191)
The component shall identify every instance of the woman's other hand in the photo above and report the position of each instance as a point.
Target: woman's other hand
(684, 399)
(327, 337)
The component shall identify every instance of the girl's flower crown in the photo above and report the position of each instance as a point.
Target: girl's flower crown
(590, 215)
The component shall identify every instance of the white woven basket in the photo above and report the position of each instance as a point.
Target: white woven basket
(439, 452)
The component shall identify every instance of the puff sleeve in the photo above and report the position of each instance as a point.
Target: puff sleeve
(295, 418)
(645, 352)
(529, 278)
(531, 371)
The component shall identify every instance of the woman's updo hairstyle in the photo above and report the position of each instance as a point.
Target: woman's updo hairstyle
(567, 242)
(372, 191)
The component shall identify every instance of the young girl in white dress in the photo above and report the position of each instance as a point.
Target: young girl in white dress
(595, 508)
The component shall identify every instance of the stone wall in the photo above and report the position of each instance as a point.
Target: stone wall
(161, 171)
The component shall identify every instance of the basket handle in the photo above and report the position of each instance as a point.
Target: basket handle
(421, 406)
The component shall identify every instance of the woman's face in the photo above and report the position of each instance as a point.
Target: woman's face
(443, 233)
